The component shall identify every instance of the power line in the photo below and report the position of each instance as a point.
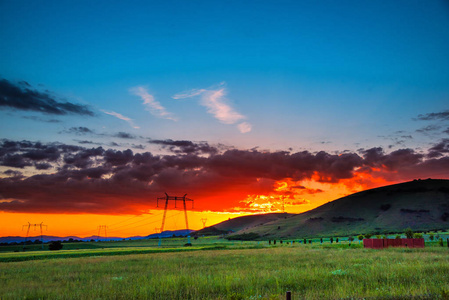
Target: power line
(146, 224)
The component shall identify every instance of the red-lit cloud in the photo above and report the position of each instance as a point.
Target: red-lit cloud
(59, 178)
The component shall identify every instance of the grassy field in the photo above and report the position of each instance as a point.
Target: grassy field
(258, 272)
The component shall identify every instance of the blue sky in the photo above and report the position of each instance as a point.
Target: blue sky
(300, 72)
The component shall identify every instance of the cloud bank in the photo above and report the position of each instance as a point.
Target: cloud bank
(75, 179)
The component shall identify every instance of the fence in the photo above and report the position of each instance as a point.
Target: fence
(385, 243)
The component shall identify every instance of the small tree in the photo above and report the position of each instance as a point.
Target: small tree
(55, 245)
(332, 240)
(431, 236)
(350, 239)
(360, 237)
(336, 240)
(368, 235)
(417, 235)
(409, 233)
(440, 242)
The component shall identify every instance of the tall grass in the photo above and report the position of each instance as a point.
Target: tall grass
(310, 272)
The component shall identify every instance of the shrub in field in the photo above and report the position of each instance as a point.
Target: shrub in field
(360, 237)
(350, 239)
(440, 242)
(305, 241)
(431, 236)
(368, 235)
(417, 236)
(385, 207)
(409, 233)
(55, 245)
(244, 236)
(188, 245)
(332, 240)
(336, 240)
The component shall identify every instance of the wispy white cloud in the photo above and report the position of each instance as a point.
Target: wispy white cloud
(244, 127)
(121, 117)
(214, 99)
(215, 102)
(153, 106)
(189, 94)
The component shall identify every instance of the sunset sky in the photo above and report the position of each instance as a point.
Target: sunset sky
(245, 106)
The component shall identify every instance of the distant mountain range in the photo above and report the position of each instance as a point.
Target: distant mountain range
(47, 238)
(422, 205)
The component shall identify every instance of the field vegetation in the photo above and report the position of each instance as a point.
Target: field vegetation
(240, 270)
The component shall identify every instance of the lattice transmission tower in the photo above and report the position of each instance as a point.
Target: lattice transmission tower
(168, 198)
(40, 226)
(100, 228)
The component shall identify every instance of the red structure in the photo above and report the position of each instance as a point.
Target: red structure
(385, 243)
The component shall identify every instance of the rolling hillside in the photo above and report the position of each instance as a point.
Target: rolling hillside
(241, 223)
(420, 204)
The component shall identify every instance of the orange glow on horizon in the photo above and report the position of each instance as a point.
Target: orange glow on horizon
(290, 195)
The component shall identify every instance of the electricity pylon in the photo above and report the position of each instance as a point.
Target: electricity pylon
(100, 227)
(204, 220)
(174, 198)
(28, 231)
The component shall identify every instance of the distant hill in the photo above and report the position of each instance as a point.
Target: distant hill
(168, 233)
(47, 238)
(241, 223)
(422, 205)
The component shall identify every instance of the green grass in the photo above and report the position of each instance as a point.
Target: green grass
(259, 272)
(86, 249)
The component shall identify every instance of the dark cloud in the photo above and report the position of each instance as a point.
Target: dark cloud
(34, 118)
(42, 166)
(375, 157)
(187, 147)
(444, 115)
(24, 98)
(140, 147)
(85, 142)
(439, 149)
(96, 180)
(81, 130)
(124, 135)
(429, 128)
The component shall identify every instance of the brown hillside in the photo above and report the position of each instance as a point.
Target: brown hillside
(242, 223)
(421, 205)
